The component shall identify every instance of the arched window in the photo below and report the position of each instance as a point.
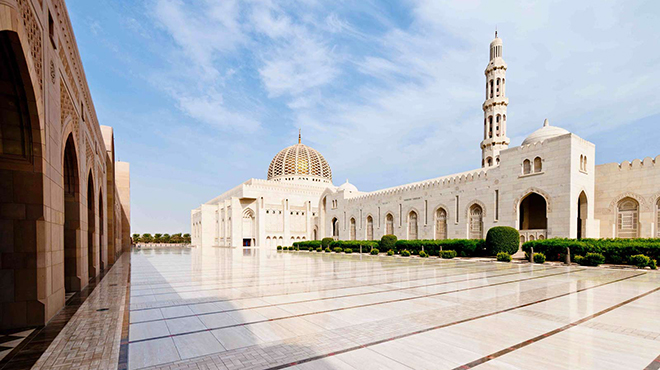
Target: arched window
(489, 161)
(370, 228)
(522, 239)
(491, 89)
(441, 224)
(498, 87)
(527, 167)
(581, 162)
(627, 218)
(352, 235)
(335, 227)
(389, 224)
(475, 224)
(412, 225)
(538, 165)
(497, 160)
(584, 165)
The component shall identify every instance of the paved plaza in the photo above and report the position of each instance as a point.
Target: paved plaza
(261, 309)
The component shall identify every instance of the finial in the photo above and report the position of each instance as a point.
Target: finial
(495, 31)
(299, 136)
(546, 123)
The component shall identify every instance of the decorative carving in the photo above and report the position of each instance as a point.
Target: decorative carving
(516, 203)
(52, 71)
(477, 202)
(66, 107)
(34, 35)
(67, 70)
(640, 199)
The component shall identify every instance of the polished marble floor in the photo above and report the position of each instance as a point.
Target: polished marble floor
(257, 309)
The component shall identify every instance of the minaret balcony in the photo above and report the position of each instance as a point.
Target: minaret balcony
(498, 100)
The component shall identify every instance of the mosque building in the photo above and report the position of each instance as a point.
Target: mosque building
(547, 187)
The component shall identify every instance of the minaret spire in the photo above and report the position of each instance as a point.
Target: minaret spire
(495, 139)
(299, 136)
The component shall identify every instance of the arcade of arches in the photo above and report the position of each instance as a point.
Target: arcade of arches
(64, 202)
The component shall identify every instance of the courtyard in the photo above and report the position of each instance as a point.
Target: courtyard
(241, 308)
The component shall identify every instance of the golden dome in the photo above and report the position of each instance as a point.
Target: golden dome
(299, 159)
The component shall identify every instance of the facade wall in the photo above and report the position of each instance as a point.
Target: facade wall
(639, 180)
(55, 104)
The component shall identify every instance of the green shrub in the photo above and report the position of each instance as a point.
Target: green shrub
(325, 242)
(539, 258)
(374, 251)
(390, 252)
(387, 242)
(338, 249)
(463, 247)
(405, 253)
(319, 249)
(616, 251)
(579, 260)
(653, 265)
(327, 250)
(448, 254)
(423, 254)
(296, 248)
(593, 259)
(307, 245)
(504, 257)
(640, 261)
(279, 247)
(348, 250)
(502, 239)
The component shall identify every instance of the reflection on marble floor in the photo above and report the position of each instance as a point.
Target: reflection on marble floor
(249, 309)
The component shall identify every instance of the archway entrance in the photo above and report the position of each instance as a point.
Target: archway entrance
(248, 228)
(91, 226)
(582, 212)
(533, 217)
(21, 188)
(71, 216)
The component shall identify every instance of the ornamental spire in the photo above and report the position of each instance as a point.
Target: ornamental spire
(299, 136)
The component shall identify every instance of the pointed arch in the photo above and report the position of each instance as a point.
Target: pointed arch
(441, 217)
(370, 228)
(92, 254)
(353, 231)
(389, 223)
(72, 205)
(413, 228)
(627, 218)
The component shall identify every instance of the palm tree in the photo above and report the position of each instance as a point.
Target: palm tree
(157, 238)
(136, 238)
(165, 238)
(147, 238)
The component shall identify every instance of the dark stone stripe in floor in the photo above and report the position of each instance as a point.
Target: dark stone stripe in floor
(655, 365)
(30, 350)
(526, 343)
(123, 348)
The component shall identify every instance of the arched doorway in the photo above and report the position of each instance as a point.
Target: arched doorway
(91, 226)
(21, 187)
(582, 212)
(248, 228)
(441, 224)
(370, 228)
(335, 227)
(412, 225)
(627, 218)
(353, 230)
(533, 216)
(476, 222)
(315, 234)
(102, 251)
(71, 216)
(389, 224)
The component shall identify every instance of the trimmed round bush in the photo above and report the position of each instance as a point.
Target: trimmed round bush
(296, 248)
(348, 250)
(374, 251)
(338, 249)
(640, 261)
(327, 250)
(593, 259)
(504, 257)
(319, 249)
(539, 258)
(502, 239)
(279, 247)
(405, 253)
(390, 252)
(653, 265)
(423, 254)
(448, 254)
(387, 242)
(325, 242)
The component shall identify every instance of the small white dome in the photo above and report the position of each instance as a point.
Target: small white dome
(348, 187)
(544, 133)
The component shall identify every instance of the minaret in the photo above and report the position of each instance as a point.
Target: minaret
(494, 107)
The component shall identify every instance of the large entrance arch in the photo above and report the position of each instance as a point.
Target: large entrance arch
(21, 189)
(91, 226)
(71, 184)
(533, 216)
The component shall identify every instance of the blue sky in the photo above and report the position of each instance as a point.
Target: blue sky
(202, 94)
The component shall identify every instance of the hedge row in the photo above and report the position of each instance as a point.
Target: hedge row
(366, 245)
(307, 245)
(616, 251)
(463, 247)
